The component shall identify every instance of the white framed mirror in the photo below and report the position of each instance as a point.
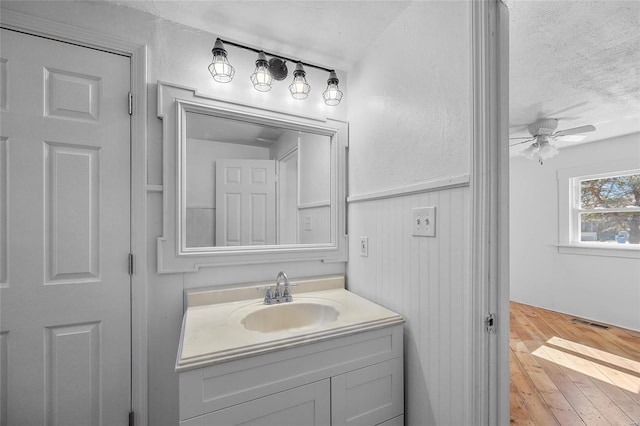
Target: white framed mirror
(245, 185)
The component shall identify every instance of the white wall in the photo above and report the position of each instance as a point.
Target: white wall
(314, 157)
(285, 151)
(599, 288)
(409, 115)
(180, 55)
(314, 177)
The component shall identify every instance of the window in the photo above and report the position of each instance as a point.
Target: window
(607, 209)
(599, 209)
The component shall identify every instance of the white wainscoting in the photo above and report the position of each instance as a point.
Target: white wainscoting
(427, 281)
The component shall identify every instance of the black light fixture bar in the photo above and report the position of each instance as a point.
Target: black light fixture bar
(241, 46)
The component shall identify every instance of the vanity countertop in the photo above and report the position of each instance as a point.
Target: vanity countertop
(213, 330)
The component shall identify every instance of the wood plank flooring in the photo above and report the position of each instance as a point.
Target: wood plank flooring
(566, 373)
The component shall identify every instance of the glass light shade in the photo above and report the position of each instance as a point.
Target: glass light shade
(531, 151)
(220, 68)
(332, 95)
(548, 151)
(261, 78)
(299, 88)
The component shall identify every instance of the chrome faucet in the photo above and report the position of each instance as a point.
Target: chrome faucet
(286, 294)
(279, 295)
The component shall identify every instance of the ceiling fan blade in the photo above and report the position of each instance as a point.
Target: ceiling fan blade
(521, 142)
(526, 137)
(581, 129)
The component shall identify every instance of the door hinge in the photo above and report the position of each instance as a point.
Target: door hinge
(130, 263)
(131, 417)
(130, 103)
(490, 323)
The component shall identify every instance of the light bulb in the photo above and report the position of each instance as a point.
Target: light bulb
(332, 95)
(261, 78)
(220, 68)
(299, 88)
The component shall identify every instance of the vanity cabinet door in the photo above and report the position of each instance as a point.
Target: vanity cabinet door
(305, 405)
(368, 396)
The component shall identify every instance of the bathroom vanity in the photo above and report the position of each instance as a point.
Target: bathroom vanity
(329, 357)
(246, 356)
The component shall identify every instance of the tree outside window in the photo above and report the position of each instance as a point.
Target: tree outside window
(609, 209)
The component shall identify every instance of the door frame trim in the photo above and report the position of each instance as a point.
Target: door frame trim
(138, 80)
(490, 208)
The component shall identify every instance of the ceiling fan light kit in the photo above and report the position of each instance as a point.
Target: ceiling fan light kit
(540, 150)
(542, 133)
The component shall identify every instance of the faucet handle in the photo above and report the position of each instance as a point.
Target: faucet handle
(268, 299)
(278, 292)
(287, 293)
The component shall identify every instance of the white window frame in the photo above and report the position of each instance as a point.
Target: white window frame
(569, 209)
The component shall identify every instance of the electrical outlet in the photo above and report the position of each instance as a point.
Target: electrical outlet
(423, 221)
(307, 223)
(364, 246)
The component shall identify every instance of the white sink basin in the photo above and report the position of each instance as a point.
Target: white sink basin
(226, 324)
(290, 316)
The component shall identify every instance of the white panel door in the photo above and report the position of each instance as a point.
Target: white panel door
(245, 202)
(65, 234)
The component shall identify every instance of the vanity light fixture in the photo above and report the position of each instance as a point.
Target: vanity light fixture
(267, 71)
(220, 68)
(299, 88)
(332, 95)
(261, 77)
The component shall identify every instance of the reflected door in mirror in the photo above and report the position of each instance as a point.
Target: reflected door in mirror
(227, 204)
(245, 200)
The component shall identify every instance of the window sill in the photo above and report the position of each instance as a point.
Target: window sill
(631, 252)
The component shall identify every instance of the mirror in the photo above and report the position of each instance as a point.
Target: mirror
(243, 184)
(250, 184)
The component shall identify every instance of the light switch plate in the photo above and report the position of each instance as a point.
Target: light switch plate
(423, 221)
(430, 222)
(364, 246)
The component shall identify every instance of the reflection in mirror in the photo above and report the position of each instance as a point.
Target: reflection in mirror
(248, 184)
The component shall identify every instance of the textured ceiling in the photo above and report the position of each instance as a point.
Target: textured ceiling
(574, 60)
(578, 61)
(329, 33)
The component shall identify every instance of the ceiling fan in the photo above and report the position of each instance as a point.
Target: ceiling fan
(542, 133)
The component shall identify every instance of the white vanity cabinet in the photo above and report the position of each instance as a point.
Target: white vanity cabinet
(305, 405)
(368, 396)
(354, 379)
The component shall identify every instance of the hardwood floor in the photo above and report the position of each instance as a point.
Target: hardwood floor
(566, 373)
